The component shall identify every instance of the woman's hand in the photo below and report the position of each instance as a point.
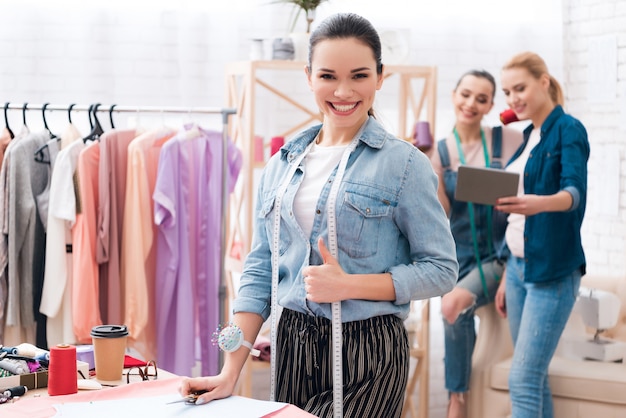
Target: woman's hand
(528, 204)
(500, 300)
(324, 284)
(532, 204)
(211, 387)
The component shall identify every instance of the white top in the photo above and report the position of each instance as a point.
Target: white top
(515, 228)
(318, 165)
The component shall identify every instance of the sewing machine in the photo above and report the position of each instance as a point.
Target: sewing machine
(599, 310)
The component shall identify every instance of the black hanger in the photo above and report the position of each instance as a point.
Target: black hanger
(40, 155)
(45, 123)
(6, 120)
(96, 128)
(24, 114)
(69, 112)
(111, 115)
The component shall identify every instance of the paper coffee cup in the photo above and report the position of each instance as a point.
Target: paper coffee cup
(109, 348)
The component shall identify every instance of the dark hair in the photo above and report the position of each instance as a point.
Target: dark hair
(347, 25)
(537, 67)
(344, 26)
(480, 74)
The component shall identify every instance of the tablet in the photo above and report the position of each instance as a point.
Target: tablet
(484, 185)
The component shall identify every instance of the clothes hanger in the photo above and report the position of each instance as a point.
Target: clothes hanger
(24, 114)
(69, 112)
(96, 128)
(40, 155)
(45, 123)
(6, 120)
(111, 116)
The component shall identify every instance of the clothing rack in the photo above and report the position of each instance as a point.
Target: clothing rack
(225, 112)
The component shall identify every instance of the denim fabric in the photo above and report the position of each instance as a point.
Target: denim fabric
(537, 315)
(388, 220)
(460, 337)
(552, 241)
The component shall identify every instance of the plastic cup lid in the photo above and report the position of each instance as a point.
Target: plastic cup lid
(109, 331)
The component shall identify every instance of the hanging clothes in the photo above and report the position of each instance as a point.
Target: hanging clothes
(85, 289)
(138, 257)
(188, 214)
(26, 237)
(9, 333)
(56, 302)
(111, 195)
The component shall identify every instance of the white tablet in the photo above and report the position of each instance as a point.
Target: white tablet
(484, 185)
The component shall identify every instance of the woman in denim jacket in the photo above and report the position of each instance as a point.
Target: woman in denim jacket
(478, 230)
(543, 234)
(346, 182)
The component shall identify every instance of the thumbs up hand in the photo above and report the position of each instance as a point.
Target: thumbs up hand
(325, 283)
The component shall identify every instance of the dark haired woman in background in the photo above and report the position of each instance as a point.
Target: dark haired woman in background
(478, 231)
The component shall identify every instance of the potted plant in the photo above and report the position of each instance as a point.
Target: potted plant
(306, 6)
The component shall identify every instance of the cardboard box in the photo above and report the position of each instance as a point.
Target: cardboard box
(39, 379)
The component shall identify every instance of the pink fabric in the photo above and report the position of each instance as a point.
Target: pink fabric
(42, 407)
(85, 286)
(112, 192)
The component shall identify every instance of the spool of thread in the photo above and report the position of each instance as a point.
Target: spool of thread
(9, 350)
(259, 149)
(422, 137)
(15, 391)
(508, 116)
(277, 142)
(62, 370)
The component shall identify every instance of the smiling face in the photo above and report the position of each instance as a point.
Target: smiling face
(472, 99)
(528, 96)
(344, 80)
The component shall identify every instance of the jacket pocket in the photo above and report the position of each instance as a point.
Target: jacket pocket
(359, 221)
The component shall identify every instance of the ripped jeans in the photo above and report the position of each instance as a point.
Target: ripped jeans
(460, 337)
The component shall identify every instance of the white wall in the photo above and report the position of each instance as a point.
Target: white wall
(595, 88)
(141, 52)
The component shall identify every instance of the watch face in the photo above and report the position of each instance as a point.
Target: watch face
(395, 46)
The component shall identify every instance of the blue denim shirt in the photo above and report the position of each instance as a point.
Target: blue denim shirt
(552, 241)
(388, 220)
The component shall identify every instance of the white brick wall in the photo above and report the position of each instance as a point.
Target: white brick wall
(604, 228)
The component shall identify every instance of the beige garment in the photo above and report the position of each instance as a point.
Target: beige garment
(111, 195)
(138, 256)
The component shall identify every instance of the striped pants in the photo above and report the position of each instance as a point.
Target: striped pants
(375, 365)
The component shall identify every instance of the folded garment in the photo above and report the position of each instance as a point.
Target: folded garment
(263, 344)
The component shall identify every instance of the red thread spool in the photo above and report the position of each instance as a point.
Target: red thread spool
(507, 116)
(62, 370)
(276, 143)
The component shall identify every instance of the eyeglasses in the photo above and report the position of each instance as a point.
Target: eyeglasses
(146, 372)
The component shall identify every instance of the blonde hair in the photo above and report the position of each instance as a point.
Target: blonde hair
(537, 67)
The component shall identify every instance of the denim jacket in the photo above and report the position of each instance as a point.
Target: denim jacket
(552, 241)
(388, 220)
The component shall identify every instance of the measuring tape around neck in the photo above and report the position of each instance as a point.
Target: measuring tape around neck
(337, 340)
